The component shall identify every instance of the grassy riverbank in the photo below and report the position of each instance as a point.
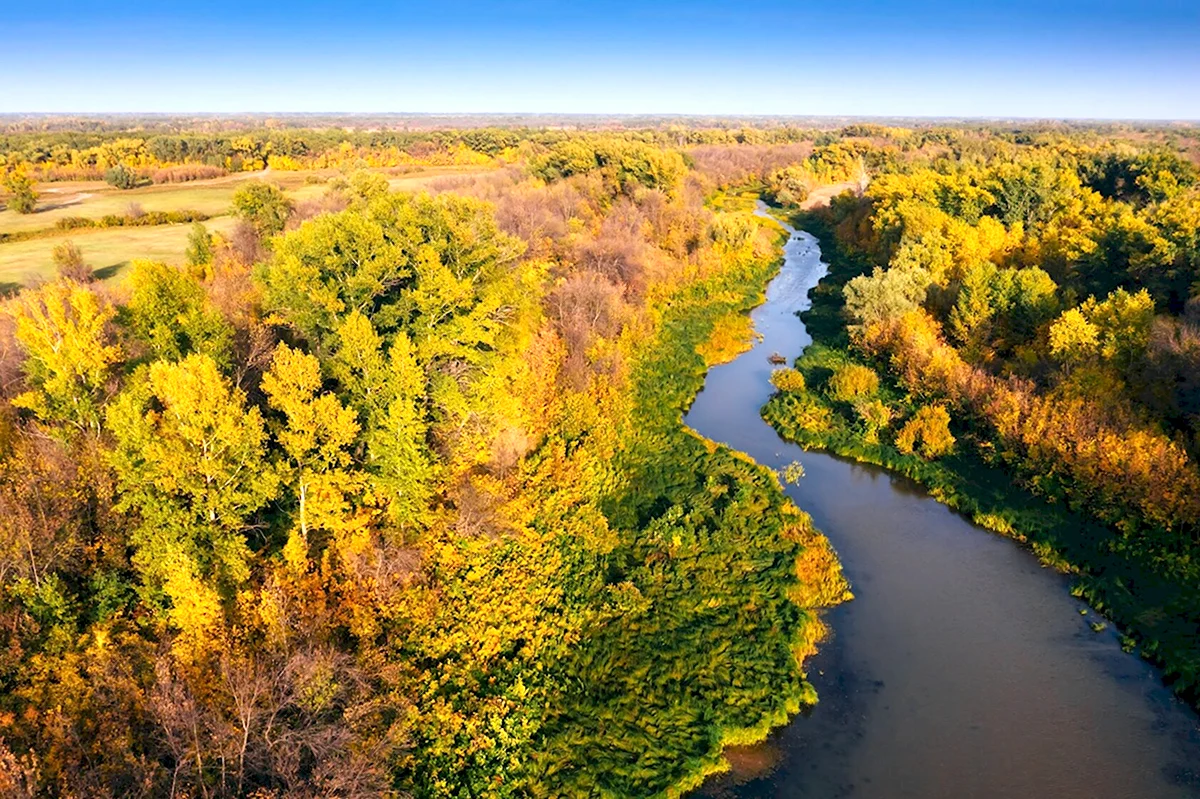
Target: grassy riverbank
(1156, 612)
(721, 574)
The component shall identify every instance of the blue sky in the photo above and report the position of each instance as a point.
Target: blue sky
(1029, 58)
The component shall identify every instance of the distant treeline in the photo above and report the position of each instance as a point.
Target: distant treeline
(67, 154)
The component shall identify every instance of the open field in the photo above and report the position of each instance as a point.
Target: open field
(111, 248)
(107, 251)
(94, 199)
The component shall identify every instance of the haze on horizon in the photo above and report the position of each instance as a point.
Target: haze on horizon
(935, 58)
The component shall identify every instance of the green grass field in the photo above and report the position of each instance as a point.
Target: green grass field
(93, 199)
(108, 250)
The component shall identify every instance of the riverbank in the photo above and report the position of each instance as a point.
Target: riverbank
(1157, 617)
(962, 667)
(716, 578)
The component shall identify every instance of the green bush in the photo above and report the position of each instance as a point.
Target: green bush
(122, 177)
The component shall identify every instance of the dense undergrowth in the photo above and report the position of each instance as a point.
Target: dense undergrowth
(719, 549)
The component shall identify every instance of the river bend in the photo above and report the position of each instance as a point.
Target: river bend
(962, 668)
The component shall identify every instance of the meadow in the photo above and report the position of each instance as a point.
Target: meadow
(108, 250)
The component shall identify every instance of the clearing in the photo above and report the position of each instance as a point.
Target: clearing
(109, 249)
(106, 251)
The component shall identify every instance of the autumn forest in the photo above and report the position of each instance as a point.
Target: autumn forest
(346, 461)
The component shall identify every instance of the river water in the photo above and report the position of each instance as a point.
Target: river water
(962, 668)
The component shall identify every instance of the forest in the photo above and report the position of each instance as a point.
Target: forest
(386, 492)
(1028, 310)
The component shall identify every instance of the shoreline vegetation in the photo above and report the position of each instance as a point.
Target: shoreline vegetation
(818, 412)
(697, 334)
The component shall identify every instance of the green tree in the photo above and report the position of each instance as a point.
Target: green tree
(1031, 192)
(388, 390)
(1000, 307)
(168, 311)
(263, 205)
(419, 262)
(884, 295)
(200, 246)
(974, 310)
(190, 460)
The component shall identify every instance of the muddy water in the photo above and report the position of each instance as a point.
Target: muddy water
(962, 668)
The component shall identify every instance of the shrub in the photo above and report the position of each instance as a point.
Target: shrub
(74, 222)
(788, 380)
(144, 219)
(851, 382)
(23, 198)
(927, 431)
(68, 260)
(810, 415)
(733, 230)
(121, 176)
(873, 413)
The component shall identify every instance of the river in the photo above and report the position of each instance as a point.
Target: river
(962, 668)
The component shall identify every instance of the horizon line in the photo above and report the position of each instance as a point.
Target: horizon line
(606, 115)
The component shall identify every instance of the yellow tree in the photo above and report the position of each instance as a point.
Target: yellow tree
(316, 434)
(191, 465)
(1072, 337)
(69, 358)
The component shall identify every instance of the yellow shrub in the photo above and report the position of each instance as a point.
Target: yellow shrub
(851, 382)
(929, 431)
(788, 380)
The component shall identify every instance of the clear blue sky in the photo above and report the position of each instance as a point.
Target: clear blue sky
(1033, 58)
